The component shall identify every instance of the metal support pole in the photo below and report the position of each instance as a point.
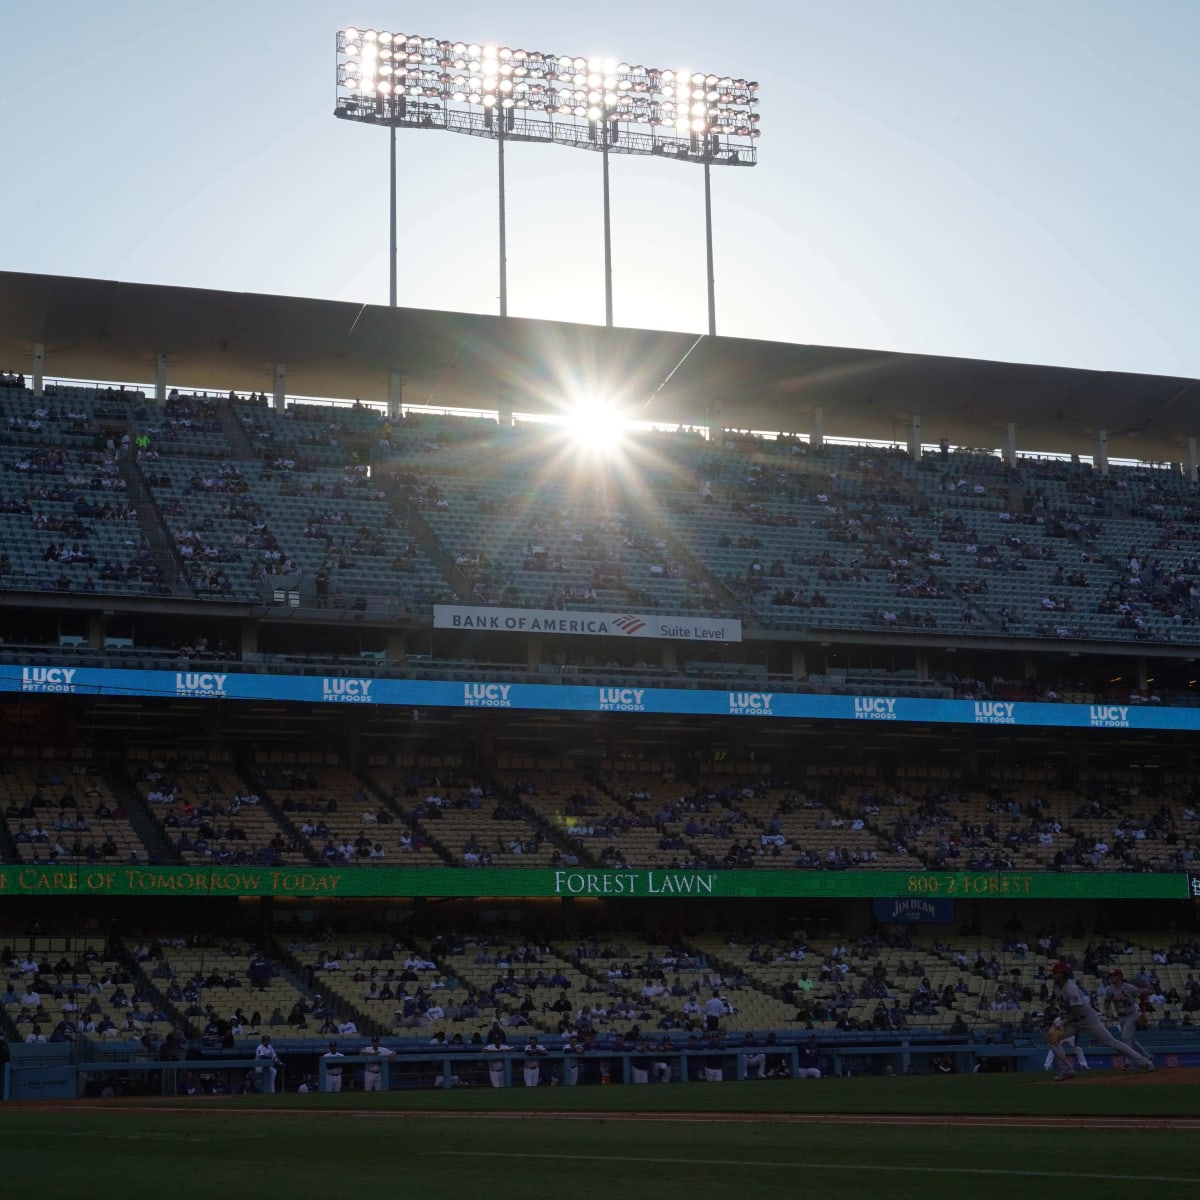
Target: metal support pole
(503, 222)
(394, 255)
(608, 283)
(160, 378)
(708, 244)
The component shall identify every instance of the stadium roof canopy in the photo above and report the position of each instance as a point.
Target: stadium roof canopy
(104, 330)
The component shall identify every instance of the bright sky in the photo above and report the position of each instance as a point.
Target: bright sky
(1014, 179)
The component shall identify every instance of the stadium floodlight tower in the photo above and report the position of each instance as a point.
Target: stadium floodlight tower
(403, 81)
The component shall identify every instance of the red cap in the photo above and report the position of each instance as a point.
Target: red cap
(1117, 974)
(1060, 968)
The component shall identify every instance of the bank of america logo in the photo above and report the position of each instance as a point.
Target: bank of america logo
(630, 625)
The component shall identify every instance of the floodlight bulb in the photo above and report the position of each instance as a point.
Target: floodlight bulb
(681, 124)
(489, 52)
(385, 88)
(593, 114)
(369, 36)
(350, 34)
(385, 39)
(698, 125)
(668, 77)
(489, 101)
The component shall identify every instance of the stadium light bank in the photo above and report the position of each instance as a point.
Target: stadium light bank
(404, 81)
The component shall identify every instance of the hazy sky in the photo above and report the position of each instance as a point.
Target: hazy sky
(1013, 179)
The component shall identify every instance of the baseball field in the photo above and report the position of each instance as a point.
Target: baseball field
(979, 1136)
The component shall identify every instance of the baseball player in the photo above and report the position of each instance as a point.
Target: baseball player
(1067, 1043)
(1125, 1001)
(1078, 1016)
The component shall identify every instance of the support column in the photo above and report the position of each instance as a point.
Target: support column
(395, 401)
(1189, 461)
(1101, 455)
(397, 645)
(1143, 675)
(39, 367)
(504, 407)
(714, 418)
(279, 388)
(817, 439)
(914, 438)
(533, 653)
(608, 277)
(670, 657)
(160, 378)
(501, 117)
(799, 663)
(1010, 445)
(922, 664)
(248, 633)
(708, 243)
(95, 630)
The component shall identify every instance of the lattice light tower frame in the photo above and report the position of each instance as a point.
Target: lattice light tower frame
(404, 81)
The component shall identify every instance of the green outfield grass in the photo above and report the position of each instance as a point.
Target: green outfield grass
(348, 1143)
(1016, 1094)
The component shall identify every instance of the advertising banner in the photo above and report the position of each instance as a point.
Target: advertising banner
(589, 624)
(435, 693)
(928, 887)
